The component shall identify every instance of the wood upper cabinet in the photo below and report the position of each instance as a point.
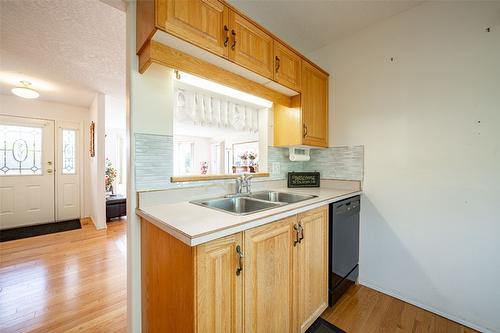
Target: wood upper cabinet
(201, 22)
(250, 46)
(311, 273)
(287, 66)
(268, 289)
(314, 105)
(219, 286)
(306, 121)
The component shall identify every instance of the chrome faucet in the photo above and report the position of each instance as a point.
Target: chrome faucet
(244, 182)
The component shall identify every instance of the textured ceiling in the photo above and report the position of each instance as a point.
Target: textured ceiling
(68, 49)
(311, 24)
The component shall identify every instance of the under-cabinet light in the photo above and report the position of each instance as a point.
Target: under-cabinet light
(220, 89)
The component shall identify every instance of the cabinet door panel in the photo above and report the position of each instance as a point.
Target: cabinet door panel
(250, 47)
(200, 22)
(314, 101)
(218, 288)
(312, 267)
(268, 278)
(287, 66)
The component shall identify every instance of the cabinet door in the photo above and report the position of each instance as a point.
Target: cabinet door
(287, 66)
(201, 22)
(314, 101)
(218, 286)
(268, 278)
(312, 267)
(250, 46)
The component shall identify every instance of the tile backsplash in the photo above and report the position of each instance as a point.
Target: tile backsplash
(333, 163)
(154, 162)
(337, 162)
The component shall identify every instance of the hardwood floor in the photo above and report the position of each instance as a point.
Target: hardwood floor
(65, 282)
(364, 310)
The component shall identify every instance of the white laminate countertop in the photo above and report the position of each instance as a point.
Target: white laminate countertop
(194, 225)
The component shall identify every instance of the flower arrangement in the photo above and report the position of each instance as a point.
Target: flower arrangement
(110, 175)
(244, 156)
(252, 156)
(248, 155)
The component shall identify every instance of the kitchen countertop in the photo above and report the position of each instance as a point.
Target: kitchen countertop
(194, 225)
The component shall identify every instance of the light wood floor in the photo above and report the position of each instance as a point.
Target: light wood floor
(65, 282)
(76, 281)
(364, 310)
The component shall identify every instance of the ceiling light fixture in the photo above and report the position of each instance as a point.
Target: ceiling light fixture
(25, 91)
(220, 89)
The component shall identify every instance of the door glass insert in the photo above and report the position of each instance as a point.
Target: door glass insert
(69, 151)
(20, 150)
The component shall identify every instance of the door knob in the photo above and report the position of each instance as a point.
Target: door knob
(49, 171)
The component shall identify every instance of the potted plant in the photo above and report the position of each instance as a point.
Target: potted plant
(109, 176)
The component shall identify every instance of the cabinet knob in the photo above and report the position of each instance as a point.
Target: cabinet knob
(304, 130)
(277, 61)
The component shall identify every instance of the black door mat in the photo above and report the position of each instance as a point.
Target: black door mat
(37, 230)
(322, 326)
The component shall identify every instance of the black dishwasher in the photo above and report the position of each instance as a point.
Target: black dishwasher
(344, 247)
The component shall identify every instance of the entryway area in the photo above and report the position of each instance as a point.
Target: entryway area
(40, 175)
(62, 154)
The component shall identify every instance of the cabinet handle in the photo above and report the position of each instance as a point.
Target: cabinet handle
(234, 39)
(301, 233)
(226, 30)
(304, 130)
(277, 63)
(240, 260)
(297, 233)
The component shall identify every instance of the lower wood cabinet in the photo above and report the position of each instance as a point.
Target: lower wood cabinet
(273, 278)
(219, 286)
(268, 269)
(311, 270)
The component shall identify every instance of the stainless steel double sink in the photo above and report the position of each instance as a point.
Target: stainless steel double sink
(253, 202)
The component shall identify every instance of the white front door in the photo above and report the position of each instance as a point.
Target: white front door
(26, 172)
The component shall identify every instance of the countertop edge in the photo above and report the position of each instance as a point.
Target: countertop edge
(200, 239)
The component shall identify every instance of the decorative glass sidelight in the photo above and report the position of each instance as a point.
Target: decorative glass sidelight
(20, 150)
(69, 151)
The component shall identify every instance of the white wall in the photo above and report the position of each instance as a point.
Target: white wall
(59, 112)
(430, 123)
(97, 188)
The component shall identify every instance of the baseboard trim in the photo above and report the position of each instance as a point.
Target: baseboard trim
(425, 307)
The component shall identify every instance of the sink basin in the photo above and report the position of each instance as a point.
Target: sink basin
(237, 205)
(281, 196)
